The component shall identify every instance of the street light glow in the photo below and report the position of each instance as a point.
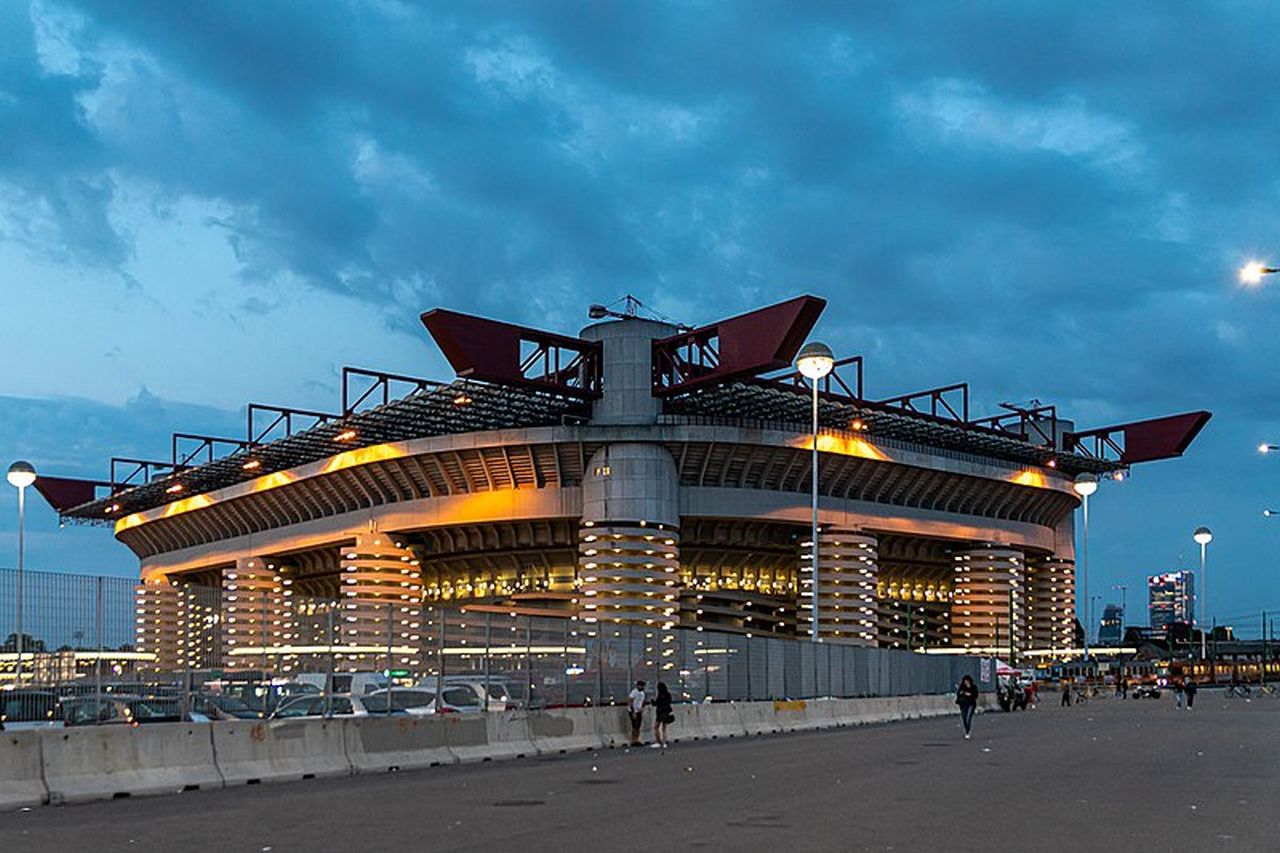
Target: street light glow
(1085, 484)
(815, 360)
(21, 474)
(1252, 272)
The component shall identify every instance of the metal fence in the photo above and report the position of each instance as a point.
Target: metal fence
(92, 635)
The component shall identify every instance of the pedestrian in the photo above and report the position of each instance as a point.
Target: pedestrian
(635, 710)
(967, 699)
(1064, 686)
(1191, 692)
(662, 716)
(1033, 693)
(1177, 687)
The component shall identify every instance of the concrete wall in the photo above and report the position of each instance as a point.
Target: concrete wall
(56, 766)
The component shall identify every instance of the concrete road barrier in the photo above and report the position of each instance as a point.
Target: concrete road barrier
(565, 730)
(489, 736)
(21, 770)
(386, 744)
(250, 752)
(105, 762)
(613, 726)
(707, 722)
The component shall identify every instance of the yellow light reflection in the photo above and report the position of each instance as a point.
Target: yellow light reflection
(841, 446)
(1031, 478)
(361, 456)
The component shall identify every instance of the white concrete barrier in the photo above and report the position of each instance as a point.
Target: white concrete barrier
(488, 736)
(613, 726)
(386, 744)
(250, 752)
(565, 730)
(706, 722)
(105, 762)
(21, 770)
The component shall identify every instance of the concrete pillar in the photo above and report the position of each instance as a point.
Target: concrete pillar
(1051, 603)
(380, 581)
(252, 614)
(847, 573)
(989, 600)
(628, 370)
(629, 537)
(199, 637)
(156, 624)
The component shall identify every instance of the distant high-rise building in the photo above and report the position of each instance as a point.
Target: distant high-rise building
(1111, 628)
(1172, 598)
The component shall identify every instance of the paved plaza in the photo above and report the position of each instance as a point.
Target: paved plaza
(1129, 775)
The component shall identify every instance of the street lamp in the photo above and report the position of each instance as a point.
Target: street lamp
(815, 361)
(1268, 448)
(1269, 513)
(1085, 485)
(1252, 272)
(21, 474)
(1203, 537)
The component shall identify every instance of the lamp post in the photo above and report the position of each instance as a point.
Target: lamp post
(1085, 485)
(1252, 272)
(1203, 537)
(21, 474)
(815, 361)
(1268, 448)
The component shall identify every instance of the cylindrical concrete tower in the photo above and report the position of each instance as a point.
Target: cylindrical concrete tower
(628, 370)
(628, 552)
(988, 600)
(847, 574)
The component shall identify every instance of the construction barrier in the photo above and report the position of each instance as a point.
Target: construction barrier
(279, 750)
(484, 737)
(565, 730)
(79, 764)
(613, 726)
(106, 762)
(388, 744)
(21, 771)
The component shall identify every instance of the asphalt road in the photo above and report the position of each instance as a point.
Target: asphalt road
(1113, 774)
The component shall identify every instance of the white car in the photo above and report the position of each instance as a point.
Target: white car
(499, 697)
(455, 699)
(353, 683)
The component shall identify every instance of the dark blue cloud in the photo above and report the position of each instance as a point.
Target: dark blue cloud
(1046, 200)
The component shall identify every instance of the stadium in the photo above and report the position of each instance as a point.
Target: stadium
(638, 473)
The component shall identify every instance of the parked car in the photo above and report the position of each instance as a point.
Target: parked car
(499, 696)
(457, 699)
(262, 697)
(29, 709)
(124, 709)
(315, 705)
(353, 683)
(223, 706)
(1145, 691)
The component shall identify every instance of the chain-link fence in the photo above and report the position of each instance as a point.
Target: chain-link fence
(111, 650)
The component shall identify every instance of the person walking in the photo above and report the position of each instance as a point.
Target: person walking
(635, 710)
(1190, 690)
(967, 699)
(1064, 687)
(662, 715)
(1177, 687)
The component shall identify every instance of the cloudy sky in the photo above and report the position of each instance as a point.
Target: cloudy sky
(206, 204)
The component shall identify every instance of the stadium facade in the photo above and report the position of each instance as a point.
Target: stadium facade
(636, 473)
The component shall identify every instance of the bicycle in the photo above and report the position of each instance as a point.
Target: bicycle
(1267, 690)
(1239, 691)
